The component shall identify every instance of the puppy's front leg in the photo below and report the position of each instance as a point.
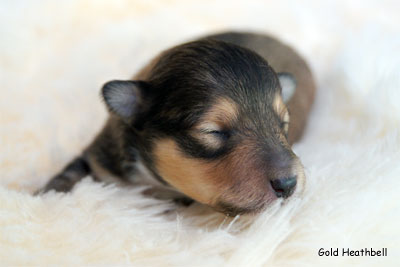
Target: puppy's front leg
(70, 175)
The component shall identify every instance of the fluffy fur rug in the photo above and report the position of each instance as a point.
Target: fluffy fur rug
(55, 55)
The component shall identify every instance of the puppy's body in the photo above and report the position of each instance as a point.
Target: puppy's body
(202, 117)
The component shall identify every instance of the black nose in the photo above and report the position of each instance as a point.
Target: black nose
(284, 187)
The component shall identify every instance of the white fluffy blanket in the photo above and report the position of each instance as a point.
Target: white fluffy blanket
(54, 57)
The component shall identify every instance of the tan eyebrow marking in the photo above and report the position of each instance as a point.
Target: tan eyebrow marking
(278, 104)
(223, 112)
(280, 108)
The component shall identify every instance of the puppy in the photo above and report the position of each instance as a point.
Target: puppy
(213, 119)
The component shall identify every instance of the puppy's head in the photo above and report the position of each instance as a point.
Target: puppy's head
(211, 121)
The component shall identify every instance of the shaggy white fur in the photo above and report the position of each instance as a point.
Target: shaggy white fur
(54, 57)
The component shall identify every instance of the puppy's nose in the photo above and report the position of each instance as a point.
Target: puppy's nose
(284, 187)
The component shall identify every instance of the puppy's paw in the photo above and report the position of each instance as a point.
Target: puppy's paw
(59, 184)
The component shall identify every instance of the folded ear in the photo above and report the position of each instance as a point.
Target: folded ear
(123, 98)
(288, 85)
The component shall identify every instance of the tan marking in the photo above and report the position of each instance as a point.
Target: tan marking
(286, 121)
(283, 113)
(278, 104)
(223, 112)
(286, 117)
(193, 177)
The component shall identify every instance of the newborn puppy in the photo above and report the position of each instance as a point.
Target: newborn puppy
(213, 119)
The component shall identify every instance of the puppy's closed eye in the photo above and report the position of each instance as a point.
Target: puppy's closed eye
(210, 135)
(223, 134)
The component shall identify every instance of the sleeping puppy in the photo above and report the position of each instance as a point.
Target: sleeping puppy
(213, 119)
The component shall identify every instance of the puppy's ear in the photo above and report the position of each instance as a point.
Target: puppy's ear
(124, 98)
(288, 85)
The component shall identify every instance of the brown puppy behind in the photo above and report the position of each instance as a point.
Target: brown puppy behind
(210, 119)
